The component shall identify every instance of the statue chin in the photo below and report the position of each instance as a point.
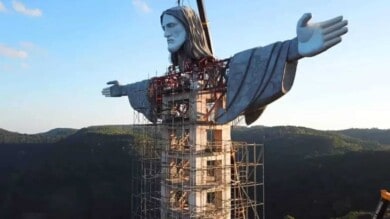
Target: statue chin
(173, 48)
(176, 44)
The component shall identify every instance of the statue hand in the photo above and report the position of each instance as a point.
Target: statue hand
(317, 37)
(114, 91)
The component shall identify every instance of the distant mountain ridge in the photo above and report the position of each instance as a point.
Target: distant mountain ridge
(308, 142)
(374, 137)
(69, 173)
(281, 139)
(381, 136)
(54, 135)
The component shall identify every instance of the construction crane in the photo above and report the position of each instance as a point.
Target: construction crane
(383, 205)
(203, 19)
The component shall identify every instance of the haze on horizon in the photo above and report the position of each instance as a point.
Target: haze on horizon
(55, 57)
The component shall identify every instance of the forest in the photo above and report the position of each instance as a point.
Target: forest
(86, 173)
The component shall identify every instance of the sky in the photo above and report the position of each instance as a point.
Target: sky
(56, 56)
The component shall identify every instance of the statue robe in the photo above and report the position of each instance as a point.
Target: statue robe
(256, 78)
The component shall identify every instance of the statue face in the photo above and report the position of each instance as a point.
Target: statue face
(174, 31)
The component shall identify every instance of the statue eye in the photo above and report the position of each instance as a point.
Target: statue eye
(171, 25)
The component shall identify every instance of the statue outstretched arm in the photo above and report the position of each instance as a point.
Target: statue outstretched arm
(315, 38)
(137, 93)
(116, 90)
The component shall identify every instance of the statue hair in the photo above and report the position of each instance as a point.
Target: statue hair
(195, 47)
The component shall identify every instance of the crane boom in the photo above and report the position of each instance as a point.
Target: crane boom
(203, 19)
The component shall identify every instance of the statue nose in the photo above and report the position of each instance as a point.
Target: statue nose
(167, 33)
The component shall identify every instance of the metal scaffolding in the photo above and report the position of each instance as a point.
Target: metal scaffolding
(189, 166)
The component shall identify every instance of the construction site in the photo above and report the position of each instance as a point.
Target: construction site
(190, 167)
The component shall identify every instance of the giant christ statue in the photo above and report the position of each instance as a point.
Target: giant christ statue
(253, 78)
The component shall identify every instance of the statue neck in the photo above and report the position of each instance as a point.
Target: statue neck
(183, 60)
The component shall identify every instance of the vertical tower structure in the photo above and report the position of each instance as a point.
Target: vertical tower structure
(196, 162)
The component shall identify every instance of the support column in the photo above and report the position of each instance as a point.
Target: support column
(196, 162)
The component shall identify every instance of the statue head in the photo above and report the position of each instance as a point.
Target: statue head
(184, 33)
(174, 31)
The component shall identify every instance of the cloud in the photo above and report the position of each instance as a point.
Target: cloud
(32, 49)
(21, 8)
(12, 53)
(142, 6)
(2, 7)
(27, 45)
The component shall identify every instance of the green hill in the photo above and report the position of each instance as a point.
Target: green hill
(54, 135)
(304, 141)
(381, 136)
(88, 173)
(320, 174)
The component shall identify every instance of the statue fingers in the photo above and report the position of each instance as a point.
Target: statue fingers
(106, 92)
(304, 19)
(115, 82)
(331, 43)
(335, 34)
(330, 22)
(336, 26)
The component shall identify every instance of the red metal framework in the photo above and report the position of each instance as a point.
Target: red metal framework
(208, 74)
